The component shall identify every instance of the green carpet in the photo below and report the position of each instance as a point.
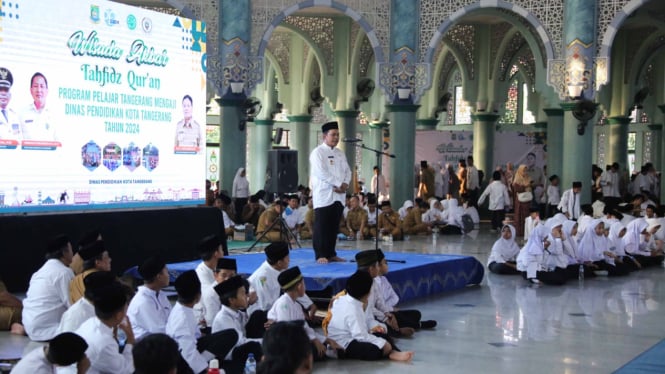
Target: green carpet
(237, 244)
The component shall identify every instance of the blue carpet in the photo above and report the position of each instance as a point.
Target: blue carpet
(420, 275)
(650, 361)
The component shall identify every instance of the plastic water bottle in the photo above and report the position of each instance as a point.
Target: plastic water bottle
(580, 273)
(390, 239)
(213, 367)
(250, 364)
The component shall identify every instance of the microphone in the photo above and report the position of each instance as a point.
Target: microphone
(351, 140)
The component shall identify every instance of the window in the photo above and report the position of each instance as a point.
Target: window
(517, 99)
(459, 111)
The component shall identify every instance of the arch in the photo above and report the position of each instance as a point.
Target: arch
(345, 9)
(318, 55)
(615, 25)
(461, 13)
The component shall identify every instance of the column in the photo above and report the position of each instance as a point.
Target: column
(554, 141)
(374, 141)
(232, 142)
(483, 142)
(260, 142)
(617, 141)
(300, 140)
(347, 120)
(577, 158)
(662, 157)
(656, 145)
(403, 138)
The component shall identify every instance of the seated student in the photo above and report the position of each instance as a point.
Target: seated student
(83, 309)
(348, 324)
(555, 259)
(95, 258)
(110, 315)
(452, 215)
(499, 200)
(617, 246)
(504, 252)
(156, 354)
(264, 281)
(149, 309)
(570, 247)
(389, 221)
(223, 203)
(293, 216)
(210, 250)
(404, 210)
(583, 220)
(287, 308)
(471, 211)
(636, 243)
(531, 221)
(10, 312)
(611, 216)
(279, 358)
(195, 349)
(356, 220)
(226, 268)
(413, 222)
(531, 260)
(405, 318)
(48, 293)
(252, 211)
(233, 296)
(372, 211)
(308, 222)
(594, 250)
(376, 307)
(63, 350)
(268, 224)
(88, 238)
(434, 214)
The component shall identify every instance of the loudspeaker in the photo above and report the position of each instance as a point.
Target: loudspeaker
(282, 171)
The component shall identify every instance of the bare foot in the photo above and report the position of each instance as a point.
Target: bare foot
(336, 259)
(401, 356)
(17, 329)
(322, 260)
(406, 331)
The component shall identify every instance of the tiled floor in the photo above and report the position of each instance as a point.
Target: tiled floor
(507, 326)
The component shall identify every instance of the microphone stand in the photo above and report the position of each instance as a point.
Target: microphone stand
(378, 154)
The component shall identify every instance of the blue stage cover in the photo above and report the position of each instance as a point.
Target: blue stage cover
(420, 274)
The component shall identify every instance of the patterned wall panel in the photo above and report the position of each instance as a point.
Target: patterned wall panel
(279, 47)
(462, 38)
(320, 31)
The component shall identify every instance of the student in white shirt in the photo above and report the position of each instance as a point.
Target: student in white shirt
(531, 221)
(103, 349)
(595, 251)
(264, 282)
(210, 250)
(83, 309)
(64, 350)
(348, 326)
(293, 216)
(636, 242)
(504, 252)
(233, 296)
(226, 268)
(553, 196)
(195, 349)
(47, 298)
(287, 308)
(531, 260)
(407, 318)
(156, 353)
(615, 237)
(570, 202)
(499, 200)
(149, 309)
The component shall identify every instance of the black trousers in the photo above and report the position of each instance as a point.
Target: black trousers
(367, 351)
(450, 230)
(408, 318)
(497, 218)
(646, 261)
(618, 269)
(255, 327)
(326, 225)
(503, 269)
(556, 277)
(239, 203)
(219, 344)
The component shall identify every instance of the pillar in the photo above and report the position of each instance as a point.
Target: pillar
(577, 158)
(662, 157)
(483, 142)
(656, 145)
(374, 141)
(232, 143)
(403, 138)
(617, 141)
(260, 142)
(300, 139)
(347, 120)
(554, 141)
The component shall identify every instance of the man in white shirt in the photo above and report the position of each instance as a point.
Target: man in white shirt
(553, 196)
(64, 350)
(609, 183)
(226, 268)
(48, 294)
(210, 250)
(499, 199)
(570, 202)
(9, 121)
(149, 309)
(379, 179)
(329, 176)
(36, 121)
(84, 309)
(99, 332)
(472, 181)
(195, 349)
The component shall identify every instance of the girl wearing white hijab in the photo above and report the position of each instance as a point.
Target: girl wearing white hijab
(434, 213)
(531, 260)
(595, 251)
(617, 232)
(636, 243)
(452, 215)
(404, 210)
(240, 191)
(570, 248)
(504, 252)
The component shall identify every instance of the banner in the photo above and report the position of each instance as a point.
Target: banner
(103, 106)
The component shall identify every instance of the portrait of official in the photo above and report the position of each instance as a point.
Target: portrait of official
(36, 120)
(9, 121)
(91, 155)
(187, 131)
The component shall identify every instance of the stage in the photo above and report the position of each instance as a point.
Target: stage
(420, 275)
